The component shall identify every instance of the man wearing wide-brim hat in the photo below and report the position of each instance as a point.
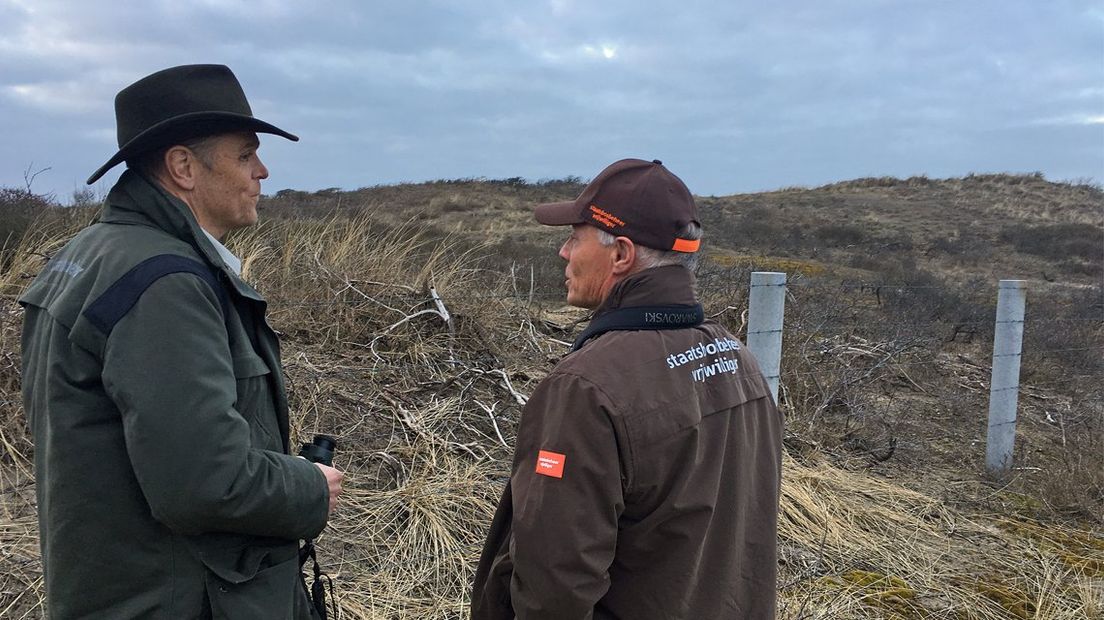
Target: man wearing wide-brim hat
(152, 381)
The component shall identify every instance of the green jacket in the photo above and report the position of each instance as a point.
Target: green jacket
(153, 388)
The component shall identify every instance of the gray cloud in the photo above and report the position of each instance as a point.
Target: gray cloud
(733, 98)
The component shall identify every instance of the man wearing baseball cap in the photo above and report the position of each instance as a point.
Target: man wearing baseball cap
(646, 475)
(152, 382)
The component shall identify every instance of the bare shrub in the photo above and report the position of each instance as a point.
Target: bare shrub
(18, 209)
(455, 203)
(340, 280)
(835, 234)
(967, 246)
(1058, 241)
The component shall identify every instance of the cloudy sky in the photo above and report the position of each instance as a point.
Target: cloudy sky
(733, 96)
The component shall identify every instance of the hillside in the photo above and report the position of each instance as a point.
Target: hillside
(1006, 226)
(892, 285)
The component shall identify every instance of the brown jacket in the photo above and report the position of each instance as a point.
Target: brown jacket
(645, 481)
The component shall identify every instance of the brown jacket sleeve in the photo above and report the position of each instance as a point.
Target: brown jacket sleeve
(567, 499)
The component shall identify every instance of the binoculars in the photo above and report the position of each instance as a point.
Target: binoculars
(321, 450)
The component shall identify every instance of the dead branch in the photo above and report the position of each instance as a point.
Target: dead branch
(372, 344)
(494, 422)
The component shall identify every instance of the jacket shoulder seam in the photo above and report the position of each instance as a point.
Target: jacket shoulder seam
(613, 421)
(598, 388)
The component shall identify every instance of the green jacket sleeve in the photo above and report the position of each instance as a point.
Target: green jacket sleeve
(168, 368)
(567, 500)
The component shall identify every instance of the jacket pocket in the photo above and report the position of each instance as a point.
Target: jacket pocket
(246, 581)
(254, 400)
(249, 364)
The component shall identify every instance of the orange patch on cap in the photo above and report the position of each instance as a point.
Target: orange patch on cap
(686, 245)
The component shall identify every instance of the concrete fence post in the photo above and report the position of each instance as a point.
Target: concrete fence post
(766, 307)
(1004, 389)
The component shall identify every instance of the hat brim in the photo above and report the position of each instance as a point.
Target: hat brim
(184, 127)
(558, 213)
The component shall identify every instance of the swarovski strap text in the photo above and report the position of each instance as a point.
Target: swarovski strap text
(638, 318)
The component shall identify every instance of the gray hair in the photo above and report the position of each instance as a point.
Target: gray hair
(647, 258)
(152, 164)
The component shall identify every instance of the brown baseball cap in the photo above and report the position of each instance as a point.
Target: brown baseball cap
(631, 198)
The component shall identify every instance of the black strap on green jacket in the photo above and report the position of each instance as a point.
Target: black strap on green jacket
(115, 302)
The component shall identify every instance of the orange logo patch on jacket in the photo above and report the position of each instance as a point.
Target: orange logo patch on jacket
(550, 464)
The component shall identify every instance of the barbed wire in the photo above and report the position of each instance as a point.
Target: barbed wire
(872, 287)
(560, 298)
(276, 305)
(559, 295)
(808, 284)
(930, 363)
(835, 371)
(794, 323)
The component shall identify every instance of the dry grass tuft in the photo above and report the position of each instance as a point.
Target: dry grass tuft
(858, 547)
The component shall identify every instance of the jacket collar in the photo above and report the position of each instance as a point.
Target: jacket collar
(659, 286)
(136, 200)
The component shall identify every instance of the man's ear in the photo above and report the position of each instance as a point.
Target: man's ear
(624, 256)
(181, 166)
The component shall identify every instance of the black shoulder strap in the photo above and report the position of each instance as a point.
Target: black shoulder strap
(642, 318)
(114, 303)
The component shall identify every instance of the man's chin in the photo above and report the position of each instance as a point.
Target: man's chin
(579, 303)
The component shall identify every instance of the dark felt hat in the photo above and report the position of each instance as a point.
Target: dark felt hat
(633, 198)
(178, 104)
